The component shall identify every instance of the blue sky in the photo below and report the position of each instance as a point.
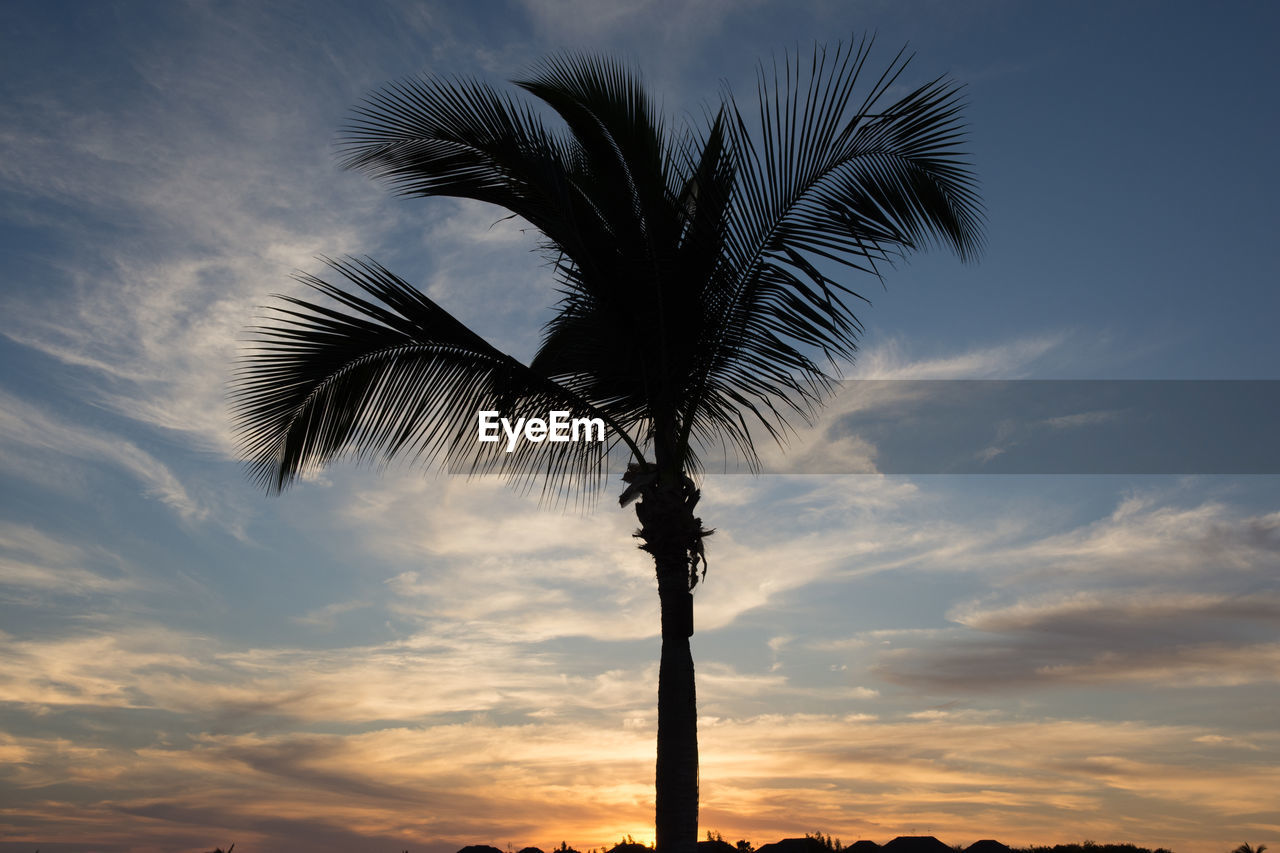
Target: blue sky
(405, 659)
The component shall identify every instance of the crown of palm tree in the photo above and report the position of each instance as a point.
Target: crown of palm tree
(695, 267)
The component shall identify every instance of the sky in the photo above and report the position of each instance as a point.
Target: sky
(399, 659)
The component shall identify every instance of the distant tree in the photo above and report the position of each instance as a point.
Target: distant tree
(1246, 848)
(1091, 847)
(826, 841)
(697, 305)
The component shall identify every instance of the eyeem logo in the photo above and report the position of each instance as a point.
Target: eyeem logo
(557, 427)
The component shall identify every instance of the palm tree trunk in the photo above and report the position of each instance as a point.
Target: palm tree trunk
(671, 534)
(677, 773)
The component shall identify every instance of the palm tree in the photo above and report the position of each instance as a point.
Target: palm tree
(697, 309)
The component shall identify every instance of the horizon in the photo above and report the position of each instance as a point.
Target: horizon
(387, 658)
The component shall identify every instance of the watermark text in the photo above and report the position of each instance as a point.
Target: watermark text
(556, 427)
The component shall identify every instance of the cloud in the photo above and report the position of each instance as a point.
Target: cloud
(30, 560)
(1146, 636)
(473, 552)
(471, 727)
(827, 447)
(1201, 665)
(423, 677)
(326, 617)
(1139, 611)
(1044, 427)
(960, 776)
(175, 203)
(435, 788)
(1162, 592)
(954, 774)
(1081, 419)
(1012, 360)
(674, 24)
(26, 429)
(1142, 537)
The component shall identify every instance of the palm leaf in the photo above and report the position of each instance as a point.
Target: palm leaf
(391, 374)
(824, 178)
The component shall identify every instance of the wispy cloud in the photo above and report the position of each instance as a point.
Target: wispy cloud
(1015, 359)
(1150, 534)
(825, 446)
(32, 560)
(476, 553)
(669, 22)
(326, 617)
(153, 302)
(26, 429)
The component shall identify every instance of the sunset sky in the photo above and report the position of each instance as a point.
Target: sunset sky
(404, 659)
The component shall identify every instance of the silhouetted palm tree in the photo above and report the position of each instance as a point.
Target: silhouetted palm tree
(697, 296)
(1247, 848)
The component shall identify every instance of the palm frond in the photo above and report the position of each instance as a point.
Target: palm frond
(456, 137)
(387, 373)
(620, 149)
(825, 177)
